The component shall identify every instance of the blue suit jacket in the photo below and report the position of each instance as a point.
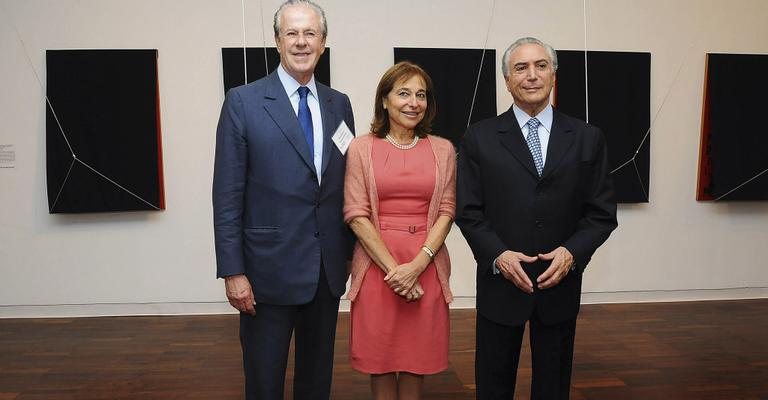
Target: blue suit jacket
(271, 219)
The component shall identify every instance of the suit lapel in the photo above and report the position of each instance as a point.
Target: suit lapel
(329, 119)
(278, 106)
(512, 139)
(560, 140)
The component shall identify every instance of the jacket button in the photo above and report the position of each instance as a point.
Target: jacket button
(317, 234)
(539, 224)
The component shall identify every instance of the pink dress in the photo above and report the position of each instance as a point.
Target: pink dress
(389, 334)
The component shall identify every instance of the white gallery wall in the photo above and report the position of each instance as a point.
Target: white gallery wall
(672, 248)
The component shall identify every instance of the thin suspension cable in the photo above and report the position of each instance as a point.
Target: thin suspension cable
(37, 76)
(739, 187)
(624, 164)
(245, 58)
(480, 68)
(58, 123)
(642, 184)
(658, 110)
(586, 66)
(62, 185)
(263, 37)
(116, 184)
(666, 96)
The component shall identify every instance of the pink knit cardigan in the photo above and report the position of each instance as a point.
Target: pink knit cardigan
(361, 200)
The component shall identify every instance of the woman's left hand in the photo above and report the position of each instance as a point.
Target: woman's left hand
(415, 293)
(402, 278)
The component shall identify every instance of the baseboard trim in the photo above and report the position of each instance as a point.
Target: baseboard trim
(663, 296)
(206, 308)
(114, 309)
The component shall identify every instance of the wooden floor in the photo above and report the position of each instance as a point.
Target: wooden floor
(701, 350)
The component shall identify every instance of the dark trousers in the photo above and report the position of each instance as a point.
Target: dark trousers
(265, 339)
(498, 354)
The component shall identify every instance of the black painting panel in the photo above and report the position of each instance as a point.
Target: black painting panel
(619, 103)
(232, 60)
(734, 141)
(454, 74)
(104, 152)
(101, 194)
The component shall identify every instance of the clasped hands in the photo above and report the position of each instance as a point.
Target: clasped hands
(403, 280)
(509, 261)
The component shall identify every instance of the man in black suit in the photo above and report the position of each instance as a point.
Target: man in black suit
(534, 202)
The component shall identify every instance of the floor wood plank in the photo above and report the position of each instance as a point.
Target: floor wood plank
(693, 350)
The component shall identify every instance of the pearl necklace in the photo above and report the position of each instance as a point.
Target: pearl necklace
(408, 146)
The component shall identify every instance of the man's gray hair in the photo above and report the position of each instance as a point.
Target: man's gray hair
(306, 3)
(526, 40)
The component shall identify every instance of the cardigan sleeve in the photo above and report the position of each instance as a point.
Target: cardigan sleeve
(356, 201)
(448, 197)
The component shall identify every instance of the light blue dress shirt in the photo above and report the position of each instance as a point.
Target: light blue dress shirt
(544, 117)
(291, 87)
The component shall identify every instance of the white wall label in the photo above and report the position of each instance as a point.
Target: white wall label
(7, 156)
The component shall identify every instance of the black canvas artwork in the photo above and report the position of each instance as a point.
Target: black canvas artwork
(103, 144)
(733, 162)
(454, 73)
(234, 67)
(619, 86)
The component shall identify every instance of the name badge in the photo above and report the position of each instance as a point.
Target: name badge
(342, 137)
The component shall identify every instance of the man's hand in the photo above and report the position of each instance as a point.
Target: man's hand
(562, 260)
(508, 264)
(240, 294)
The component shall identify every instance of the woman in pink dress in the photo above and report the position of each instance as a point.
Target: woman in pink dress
(400, 199)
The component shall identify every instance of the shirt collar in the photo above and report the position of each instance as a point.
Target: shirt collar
(292, 85)
(544, 117)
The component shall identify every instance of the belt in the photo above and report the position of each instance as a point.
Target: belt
(386, 226)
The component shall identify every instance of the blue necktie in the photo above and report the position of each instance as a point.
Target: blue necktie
(534, 145)
(305, 119)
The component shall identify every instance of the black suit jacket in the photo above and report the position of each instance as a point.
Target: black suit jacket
(502, 204)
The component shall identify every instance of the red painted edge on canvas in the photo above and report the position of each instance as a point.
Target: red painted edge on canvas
(705, 167)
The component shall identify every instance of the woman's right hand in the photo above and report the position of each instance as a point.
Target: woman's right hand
(403, 277)
(415, 293)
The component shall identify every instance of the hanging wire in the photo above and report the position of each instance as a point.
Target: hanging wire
(739, 186)
(586, 66)
(115, 183)
(633, 159)
(263, 37)
(480, 68)
(245, 57)
(58, 123)
(71, 164)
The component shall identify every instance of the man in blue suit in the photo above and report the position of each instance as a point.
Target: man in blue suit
(281, 242)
